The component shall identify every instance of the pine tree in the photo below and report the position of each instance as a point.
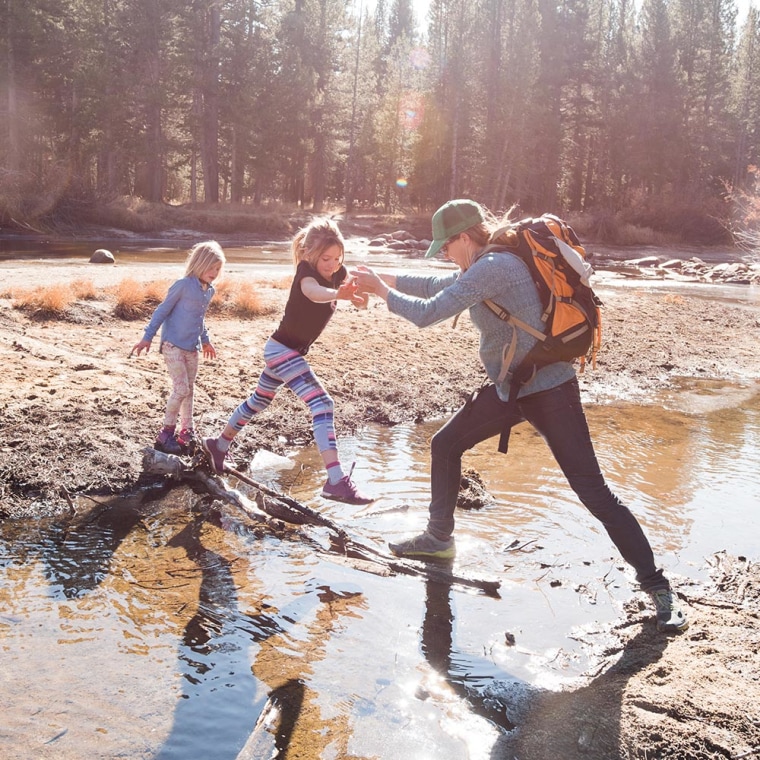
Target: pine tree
(746, 102)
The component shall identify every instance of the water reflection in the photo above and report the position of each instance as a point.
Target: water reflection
(460, 672)
(78, 552)
(217, 706)
(189, 590)
(663, 460)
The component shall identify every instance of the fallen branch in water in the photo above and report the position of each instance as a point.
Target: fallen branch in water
(157, 463)
(273, 508)
(310, 516)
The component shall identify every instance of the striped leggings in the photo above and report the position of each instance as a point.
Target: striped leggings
(284, 366)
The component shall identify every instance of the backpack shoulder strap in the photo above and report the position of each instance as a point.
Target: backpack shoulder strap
(508, 354)
(502, 313)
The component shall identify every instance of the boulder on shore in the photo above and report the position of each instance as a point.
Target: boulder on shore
(102, 256)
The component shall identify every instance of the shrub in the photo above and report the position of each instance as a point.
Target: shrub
(283, 283)
(224, 289)
(745, 225)
(45, 302)
(241, 299)
(84, 290)
(135, 300)
(138, 215)
(128, 213)
(631, 234)
(607, 227)
(246, 302)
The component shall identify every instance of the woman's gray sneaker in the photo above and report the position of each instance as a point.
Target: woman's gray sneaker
(425, 545)
(670, 617)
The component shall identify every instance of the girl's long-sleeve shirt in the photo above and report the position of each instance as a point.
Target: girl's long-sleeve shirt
(181, 315)
(500, 277)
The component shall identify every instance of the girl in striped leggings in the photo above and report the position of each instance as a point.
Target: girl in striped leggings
(320, 281)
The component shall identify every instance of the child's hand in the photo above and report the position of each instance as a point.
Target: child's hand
(368, 281)
(360, 300)
(347, 289)
(209, 352)
(139, 347)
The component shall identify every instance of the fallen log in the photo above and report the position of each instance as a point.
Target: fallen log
(157, 463)
(310, 515)
(273, 509)
(356, 550)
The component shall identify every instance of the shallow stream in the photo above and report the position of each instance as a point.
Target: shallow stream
(157, 627)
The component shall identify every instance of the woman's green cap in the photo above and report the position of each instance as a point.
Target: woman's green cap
(451, 219)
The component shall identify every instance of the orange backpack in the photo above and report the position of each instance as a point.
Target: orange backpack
(572, 318)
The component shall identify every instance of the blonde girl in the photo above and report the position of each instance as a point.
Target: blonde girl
(320, 281)
(181, 317)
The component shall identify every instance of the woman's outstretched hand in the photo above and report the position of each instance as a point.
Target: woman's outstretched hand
(349, 291)
(368, 281)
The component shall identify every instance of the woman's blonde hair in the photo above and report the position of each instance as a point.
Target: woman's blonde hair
(495, 231)
(311, 241)
(202, 256)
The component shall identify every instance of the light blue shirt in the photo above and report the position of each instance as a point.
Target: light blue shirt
(500, 277)
(181, 315)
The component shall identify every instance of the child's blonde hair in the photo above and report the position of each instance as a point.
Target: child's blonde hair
(314, 239)
(202, 256)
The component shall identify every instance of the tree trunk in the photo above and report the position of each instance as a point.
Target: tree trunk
(13, 156)
(210, 116)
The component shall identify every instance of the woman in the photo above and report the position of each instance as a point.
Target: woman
(473, 240)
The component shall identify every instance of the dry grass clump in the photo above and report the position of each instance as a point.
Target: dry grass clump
(223, 293)
(135, 300)
(51, 301)
(246, 302)
(84, 290)
(239, 299)
(283, 283)
(44, 302)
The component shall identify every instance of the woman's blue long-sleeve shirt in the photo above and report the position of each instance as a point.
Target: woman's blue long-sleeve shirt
(500, 277)
(181, 315)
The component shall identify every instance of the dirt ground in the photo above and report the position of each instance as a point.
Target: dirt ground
(75, 412)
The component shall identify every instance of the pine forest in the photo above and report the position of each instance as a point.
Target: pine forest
(606, 107)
